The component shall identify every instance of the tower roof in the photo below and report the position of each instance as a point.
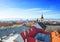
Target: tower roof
(42, 16)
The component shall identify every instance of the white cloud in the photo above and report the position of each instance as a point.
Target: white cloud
(21, 13)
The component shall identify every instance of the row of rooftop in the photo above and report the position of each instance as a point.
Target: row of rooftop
(29, 23)
(5, 24)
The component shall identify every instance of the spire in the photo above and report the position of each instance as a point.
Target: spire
(42, 18)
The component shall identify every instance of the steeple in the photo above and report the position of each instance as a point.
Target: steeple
(42, 18)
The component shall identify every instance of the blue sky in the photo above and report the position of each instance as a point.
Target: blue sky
(28, 9)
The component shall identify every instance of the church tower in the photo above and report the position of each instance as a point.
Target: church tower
(42, 18)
